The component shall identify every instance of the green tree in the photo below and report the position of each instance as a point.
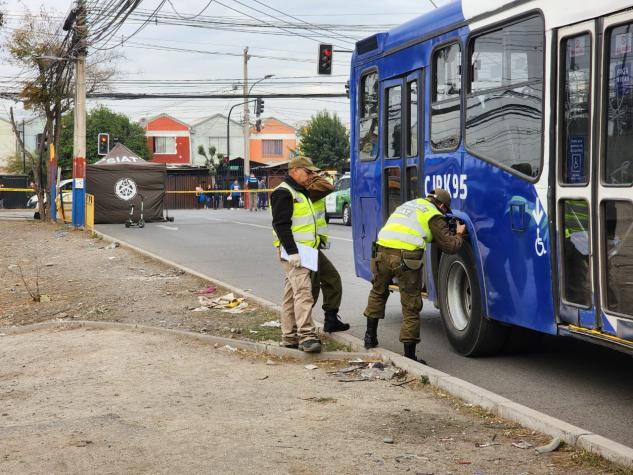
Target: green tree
(102, 120)
(326, 141)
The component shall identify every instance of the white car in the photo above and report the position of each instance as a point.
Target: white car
(66, 187)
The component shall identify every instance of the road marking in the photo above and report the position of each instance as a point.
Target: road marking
(171, 228)
(270, 227)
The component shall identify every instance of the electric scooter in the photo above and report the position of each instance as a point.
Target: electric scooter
(130, 221)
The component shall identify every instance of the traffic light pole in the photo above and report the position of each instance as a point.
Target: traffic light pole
(228, 126)
(79, 136)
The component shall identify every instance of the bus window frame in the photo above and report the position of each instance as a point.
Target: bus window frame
(414, 77)
(359, 92)
(604, 93)
(397, 82)
(561, 67)
(433, 81)
(466, 77)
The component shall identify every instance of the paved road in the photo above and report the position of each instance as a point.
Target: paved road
(583, 384)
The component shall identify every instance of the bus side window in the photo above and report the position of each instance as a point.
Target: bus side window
(368, 117)
(393, 122)
(504, 101)
(445, 100)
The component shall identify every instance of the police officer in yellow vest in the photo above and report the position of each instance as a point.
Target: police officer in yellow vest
(399, 253)
(327, 277)
(295, 221)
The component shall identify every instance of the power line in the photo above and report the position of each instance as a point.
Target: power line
(191, 17)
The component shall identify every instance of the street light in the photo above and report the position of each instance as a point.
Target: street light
(268, 76)
(246, 125)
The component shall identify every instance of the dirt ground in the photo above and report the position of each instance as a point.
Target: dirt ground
(113, 401)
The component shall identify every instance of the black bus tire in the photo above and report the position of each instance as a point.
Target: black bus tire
(469, 332)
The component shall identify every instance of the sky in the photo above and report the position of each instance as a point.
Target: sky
(217, 63)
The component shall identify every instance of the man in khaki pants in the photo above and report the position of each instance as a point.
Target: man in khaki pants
(294, 221)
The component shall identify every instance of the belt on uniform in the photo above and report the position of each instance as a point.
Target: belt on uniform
(396, 252)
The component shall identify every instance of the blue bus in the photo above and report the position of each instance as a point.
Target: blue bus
(523, 111)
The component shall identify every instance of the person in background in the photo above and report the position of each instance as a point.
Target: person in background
(251, 183)
(235, 194)
(208, 197)
(261, 195)
(399, 253)
(217, 195)
(198, 196)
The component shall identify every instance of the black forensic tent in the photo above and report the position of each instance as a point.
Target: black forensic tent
(122, 178)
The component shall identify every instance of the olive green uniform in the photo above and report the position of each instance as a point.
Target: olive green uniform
(389, 262)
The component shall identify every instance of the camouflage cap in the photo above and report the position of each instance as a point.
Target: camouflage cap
(303, 162)
(442, 196)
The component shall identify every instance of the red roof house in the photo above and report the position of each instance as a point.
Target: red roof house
(168, 139)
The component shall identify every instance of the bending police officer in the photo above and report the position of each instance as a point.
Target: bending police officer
(399, 253)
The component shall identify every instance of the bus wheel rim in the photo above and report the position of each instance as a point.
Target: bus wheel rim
(459, 298)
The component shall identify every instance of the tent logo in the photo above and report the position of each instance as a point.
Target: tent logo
(125, 189)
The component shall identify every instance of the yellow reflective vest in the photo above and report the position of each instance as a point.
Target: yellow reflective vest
(408, 226)
(304, 220)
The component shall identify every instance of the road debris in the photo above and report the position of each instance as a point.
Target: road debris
(272, 324)
(112, 245)
(553, 445)
(208, 290)
(227, 303)
(229, 348)
(311, 366)
(271, 363)
(487, 444)
(44, 298)
(388, 440)
(356, 380)
(522, 444)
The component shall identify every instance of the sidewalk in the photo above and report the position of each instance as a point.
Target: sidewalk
(115, 400)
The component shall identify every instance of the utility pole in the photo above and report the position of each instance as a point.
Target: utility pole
(79, 137)
(23, 149)
(247, 127)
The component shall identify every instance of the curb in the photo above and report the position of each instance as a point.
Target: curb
(468, 392)
(251, 346)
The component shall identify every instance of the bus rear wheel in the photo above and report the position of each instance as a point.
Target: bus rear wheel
(469, 332)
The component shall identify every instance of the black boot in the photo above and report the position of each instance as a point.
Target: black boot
(409, 352)
(333, 322)
(371, 338)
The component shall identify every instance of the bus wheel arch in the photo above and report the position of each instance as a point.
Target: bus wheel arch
(467, 328)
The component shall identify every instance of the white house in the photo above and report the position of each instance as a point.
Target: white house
(211, 132)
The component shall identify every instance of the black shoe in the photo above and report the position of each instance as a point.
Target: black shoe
(333, 323)
(371, 338)
(409, 352)
(310, 346)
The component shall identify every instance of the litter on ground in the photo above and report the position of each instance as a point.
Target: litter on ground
(272, 323)
(550, 447)
(311, 366)
(522, 444)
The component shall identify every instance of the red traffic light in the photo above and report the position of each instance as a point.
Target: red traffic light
(327, 52)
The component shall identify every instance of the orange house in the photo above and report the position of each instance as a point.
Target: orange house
(273, 143)
(168, 139)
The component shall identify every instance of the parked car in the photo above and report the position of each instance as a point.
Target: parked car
(338, 204)
(66, 187)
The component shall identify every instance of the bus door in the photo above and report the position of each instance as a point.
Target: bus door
(402, 140)
(575, 174)
(613, 187)
(594, 177)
